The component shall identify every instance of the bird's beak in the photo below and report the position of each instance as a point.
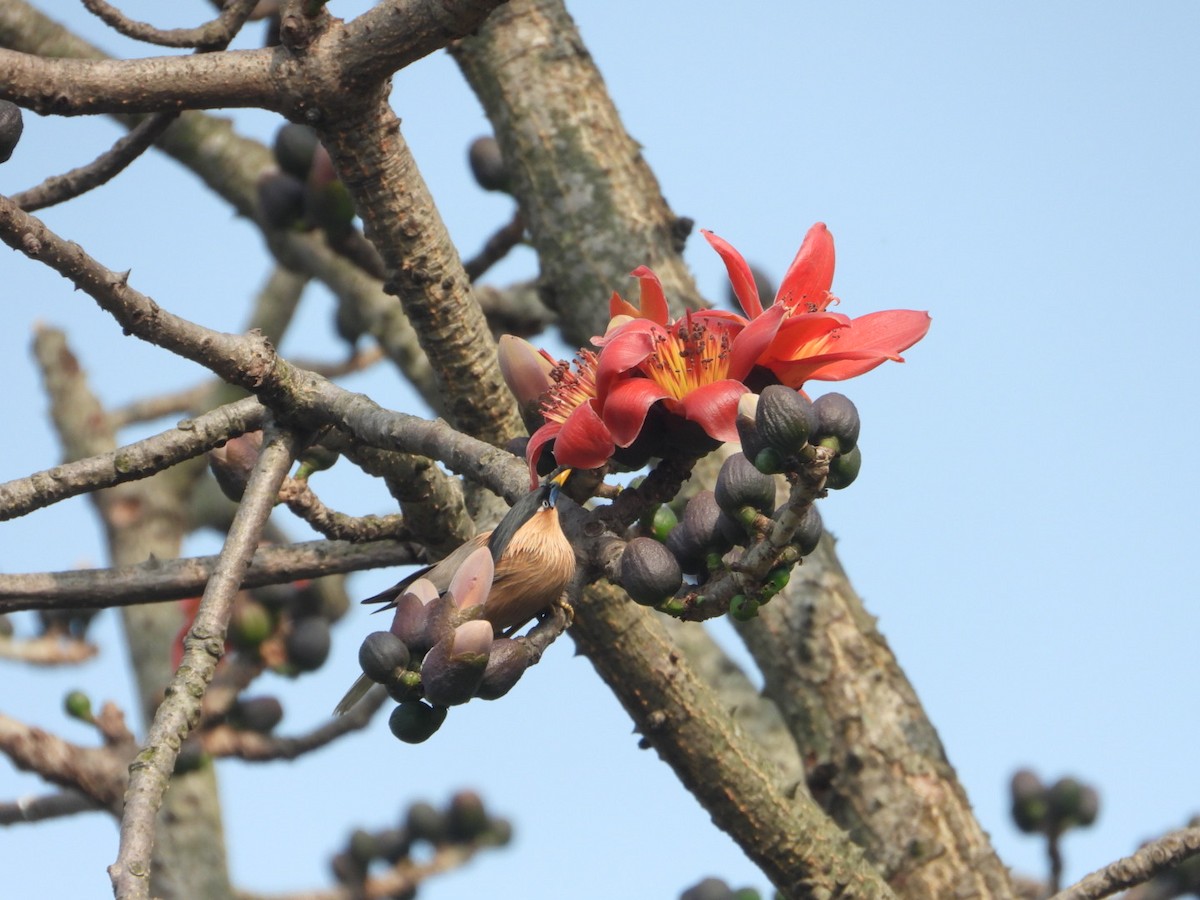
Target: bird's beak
(561, 478)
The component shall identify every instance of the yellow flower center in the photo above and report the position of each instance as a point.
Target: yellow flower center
(687, 356)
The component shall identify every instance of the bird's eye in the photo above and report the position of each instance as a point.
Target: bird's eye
(546, 503)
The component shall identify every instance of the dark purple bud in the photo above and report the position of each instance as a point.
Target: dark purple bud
(412, 614)
(649, 571)
(259, 714)
(700, 519)
(453, 668)
(232, 463)
(424, 822)
(294, 148)
(808, 533)
(11, 126)
(308, 643)
(487, 164)
(280, 199)
(740, 484)
(381, 655)
(785, 419)
(837, 422)
(506, 664)
(466, 818)
(1030, 803)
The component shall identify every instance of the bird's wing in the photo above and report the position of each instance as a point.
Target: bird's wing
(439, 573)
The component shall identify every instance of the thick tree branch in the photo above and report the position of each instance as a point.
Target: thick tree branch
(97, 772)
(203, 647)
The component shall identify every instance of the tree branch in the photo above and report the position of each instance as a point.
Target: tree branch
(1152, 859)
(203, 647)
(212, 35)
(48, 806)
(189, 439)
(175, 579)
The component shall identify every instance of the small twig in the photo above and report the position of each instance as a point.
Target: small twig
(47, 806)
(212, 35)
(97, 772)
(151, 770)
(302, 501)
(189, 439)
(109, 164)
(256, 747)
(496, 248)
(176, 579)
(1137, 868)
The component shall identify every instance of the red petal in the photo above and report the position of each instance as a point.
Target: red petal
(654, 301)
(869, 341)
(584, 442)
(753, 341)
(626, 348)
(626, 407)
(797, 333)
(714, 408)
(740, 275)
(810, 276)
(533, 450)
(619, 306)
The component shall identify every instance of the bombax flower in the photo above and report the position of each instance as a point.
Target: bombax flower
(812, 343)
(566, 400)
(695, 366)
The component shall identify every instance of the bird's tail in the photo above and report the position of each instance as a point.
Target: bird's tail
(357, 691)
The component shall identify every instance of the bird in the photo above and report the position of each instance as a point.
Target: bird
(533, 561)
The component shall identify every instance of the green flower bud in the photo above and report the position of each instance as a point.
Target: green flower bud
(844, 469)
(743, 608)
(78, 705)
(414, 722)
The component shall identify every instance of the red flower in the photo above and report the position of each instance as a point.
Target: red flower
(696, 366)
(812, 343)
(567, 401)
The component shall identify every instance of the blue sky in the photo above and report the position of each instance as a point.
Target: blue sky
(1024, 525)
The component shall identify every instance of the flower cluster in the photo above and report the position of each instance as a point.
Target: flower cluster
(441, 650)
(660, 387)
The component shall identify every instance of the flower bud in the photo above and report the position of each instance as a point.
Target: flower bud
(709, 889)
(425, 822)
(308, 643)
(740, 484)
(441, 615)
(259, 714)
(506, 664)
(472, 580)
(280, 199)
(466, 817)
(250, 624)
(381, 655)
(808, 532)
(649, 571)
(327, 201)
(362, 847)
(526, 371)
(1030, 804)
(78, 706)
(843, 469)
(743, 608)
(700, 519)
(414, 721)
(11, 127)
(1070, 803)
(659, 523)
(232, 463)
(294, 148)
(785, 419)
(747, 427)
(690, 556)
(453, 668)
(487, 164)
(412, 612)
(837, 419)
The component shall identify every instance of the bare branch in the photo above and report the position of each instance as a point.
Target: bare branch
(1152, 859)
(47, 650)
(302, 501)
(496, 248)
(189, 439)
(158, 580)
(256, 747)
(203, 647)
(97, 772)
